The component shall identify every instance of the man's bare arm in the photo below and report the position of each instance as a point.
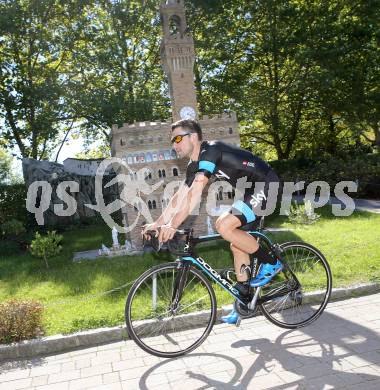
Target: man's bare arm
(188, 204)
(173, 205)
(193, 198)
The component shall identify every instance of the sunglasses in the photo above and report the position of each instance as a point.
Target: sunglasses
(178, 138)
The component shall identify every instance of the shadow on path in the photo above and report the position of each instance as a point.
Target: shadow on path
(322, 354)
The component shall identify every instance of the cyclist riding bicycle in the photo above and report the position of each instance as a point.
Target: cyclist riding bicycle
(239, 168)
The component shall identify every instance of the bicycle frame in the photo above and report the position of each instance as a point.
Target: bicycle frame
(214, 275)
(199, 262)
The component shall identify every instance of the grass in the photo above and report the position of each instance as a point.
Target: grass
(351, 245)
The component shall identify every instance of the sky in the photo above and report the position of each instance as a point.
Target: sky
(69, 149)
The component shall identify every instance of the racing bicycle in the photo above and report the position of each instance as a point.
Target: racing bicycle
(171, 308)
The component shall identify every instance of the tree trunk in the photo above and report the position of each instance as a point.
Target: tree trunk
(331, 142)
(64, 140)
(198, 87)
(376, 129)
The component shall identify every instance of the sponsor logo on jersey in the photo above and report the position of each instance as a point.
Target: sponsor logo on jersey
(248, 164)
(221, 175)
(257, 198)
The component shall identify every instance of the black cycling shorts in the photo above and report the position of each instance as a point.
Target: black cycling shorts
(258, 202)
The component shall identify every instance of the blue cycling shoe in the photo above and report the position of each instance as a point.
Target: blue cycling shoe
(231, 318)
(266, 273)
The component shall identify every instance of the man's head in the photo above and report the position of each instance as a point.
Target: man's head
(186, 135)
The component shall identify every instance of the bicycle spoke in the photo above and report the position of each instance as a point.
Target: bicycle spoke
(192, 304)
(165, 333)
(297, 307)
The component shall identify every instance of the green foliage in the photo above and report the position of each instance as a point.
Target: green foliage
(12, 202)
(46, 246)
(5, 165)
(12, 227)
(20, 320)
(303, 214)
(123, 81)
(91, 63)
(36, 66)
(363, 168)
(302, 76)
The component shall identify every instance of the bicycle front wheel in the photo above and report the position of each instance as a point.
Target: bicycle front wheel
(298, 295)
(162, 326)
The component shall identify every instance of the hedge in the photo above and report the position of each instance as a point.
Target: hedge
(363, 168)
(12, 203)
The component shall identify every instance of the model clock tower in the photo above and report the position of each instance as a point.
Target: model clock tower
(178, 55)
(145, 146)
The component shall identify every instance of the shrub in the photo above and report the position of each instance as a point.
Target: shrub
(365, 168)
(46, 246)
(303, 214)
(20, 320)
(8, 248)
(13, 227)
(12, 202)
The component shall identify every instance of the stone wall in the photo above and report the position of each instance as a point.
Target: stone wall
(55, 173)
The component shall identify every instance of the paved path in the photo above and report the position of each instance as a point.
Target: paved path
(368, 205)
(340, 350)
(371, 205)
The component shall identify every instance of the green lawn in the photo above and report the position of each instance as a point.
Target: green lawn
(350, 244)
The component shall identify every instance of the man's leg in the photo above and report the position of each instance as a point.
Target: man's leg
(241, 263)
(227, 226)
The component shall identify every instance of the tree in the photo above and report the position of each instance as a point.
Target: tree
(5, 165)
(46, 246)
(91, 63)
(121, 79)
(37, 38)
(257, 67)
(345, 77)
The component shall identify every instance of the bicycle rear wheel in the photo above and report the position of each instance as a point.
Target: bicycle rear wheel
(161, 328)
(298, 295)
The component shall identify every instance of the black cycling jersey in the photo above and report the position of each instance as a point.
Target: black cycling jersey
(231, 163)
(227, 162)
